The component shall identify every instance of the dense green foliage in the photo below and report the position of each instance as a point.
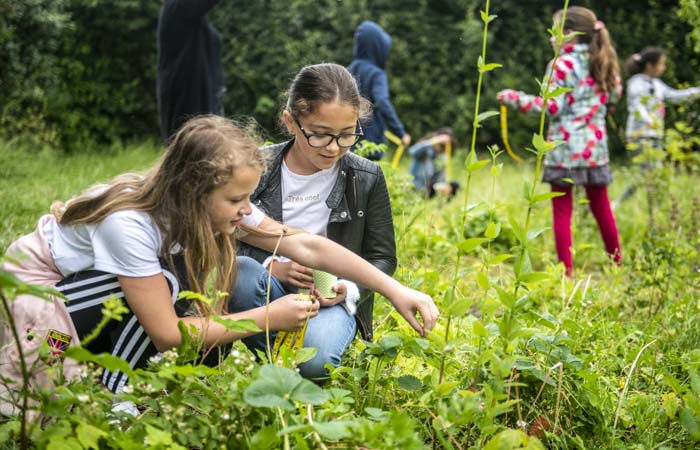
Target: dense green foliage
(79, 72)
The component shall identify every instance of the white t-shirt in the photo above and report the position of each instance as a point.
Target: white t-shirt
(126, 243)
(304, 207)
(304, 198)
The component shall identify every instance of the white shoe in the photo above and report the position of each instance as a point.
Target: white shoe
(125, 407)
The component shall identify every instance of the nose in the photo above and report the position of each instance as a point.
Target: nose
(333, 145)
(246, 209)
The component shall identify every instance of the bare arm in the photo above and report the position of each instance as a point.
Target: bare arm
(150, 300)
(321, 253)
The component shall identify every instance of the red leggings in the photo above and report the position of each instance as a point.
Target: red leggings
(562, 208)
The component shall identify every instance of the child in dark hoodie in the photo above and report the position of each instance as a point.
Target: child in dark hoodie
(370, 53)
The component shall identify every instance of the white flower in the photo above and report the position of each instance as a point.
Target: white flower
(155, 359)
(83, 398)
(225, 416)
(236, 354)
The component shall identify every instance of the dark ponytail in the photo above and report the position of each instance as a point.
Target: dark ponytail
(637, 62)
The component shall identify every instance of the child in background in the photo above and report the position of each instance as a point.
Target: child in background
(428, 162)
(369, 57)
(646, 109)
(588, 67)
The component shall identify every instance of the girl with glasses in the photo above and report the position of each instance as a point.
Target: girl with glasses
(316, 184)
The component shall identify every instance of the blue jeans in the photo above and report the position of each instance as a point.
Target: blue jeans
(331, 332)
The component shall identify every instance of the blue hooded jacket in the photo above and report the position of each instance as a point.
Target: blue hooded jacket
(370, 53)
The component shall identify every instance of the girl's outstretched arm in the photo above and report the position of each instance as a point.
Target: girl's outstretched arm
(321, 253)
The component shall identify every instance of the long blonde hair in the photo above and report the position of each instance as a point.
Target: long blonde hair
(203, 155)
(603, 63)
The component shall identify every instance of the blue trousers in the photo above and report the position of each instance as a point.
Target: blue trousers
(331, 332)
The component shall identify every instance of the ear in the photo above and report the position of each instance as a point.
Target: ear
(288, 121)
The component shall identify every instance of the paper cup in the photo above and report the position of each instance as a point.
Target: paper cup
(324, 281)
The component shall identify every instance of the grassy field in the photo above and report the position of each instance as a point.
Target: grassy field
(607, 359)
(31, 181)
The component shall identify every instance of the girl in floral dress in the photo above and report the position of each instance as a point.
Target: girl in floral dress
(588, 67)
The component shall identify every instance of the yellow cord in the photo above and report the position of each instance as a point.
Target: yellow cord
(504, 134)
(399, 148)
(291, 339)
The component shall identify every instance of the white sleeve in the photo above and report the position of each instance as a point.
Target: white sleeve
(672, 95)
(255, 218)
(127, 243)
(352, 296)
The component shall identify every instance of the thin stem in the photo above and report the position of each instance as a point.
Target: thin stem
(24, 443)
(314, 434)
(267, 299)
(624, 390)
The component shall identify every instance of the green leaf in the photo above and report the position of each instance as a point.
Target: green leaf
(497, 259)
(458, 308)
(89, 435)
(517, 229)
(533, 277)
(155, 438)
(527, 191)
(489, 67)
(546, 196)
(532, 235)
(273, 388)
(333, 431)
(485, 115)
(237, 326)
(493, 230)
(487, 18)
(690, 423)
(409, 383)
(541, 145)
(105, 360)
(470, 244)
(309, 393)
(479, 329)
(483, 280)
(446, 388)
(506, 298)
(478, 165)
(266, 438)
(63, 443)
(694, 381)
(557, 92)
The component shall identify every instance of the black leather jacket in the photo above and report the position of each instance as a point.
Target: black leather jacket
(360, 219)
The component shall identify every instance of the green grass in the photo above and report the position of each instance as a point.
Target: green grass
(31, 181)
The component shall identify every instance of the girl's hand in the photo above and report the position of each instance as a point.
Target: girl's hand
(339, 289)
(287, 313)
(293, 274)
(406, 140)
(409, 302)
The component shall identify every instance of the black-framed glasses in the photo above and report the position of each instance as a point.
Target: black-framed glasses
(320, 140)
